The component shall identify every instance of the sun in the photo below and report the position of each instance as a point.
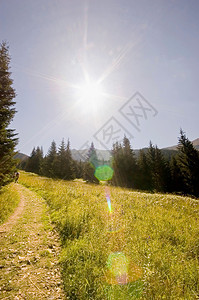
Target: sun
(91, 91)
(90, 95)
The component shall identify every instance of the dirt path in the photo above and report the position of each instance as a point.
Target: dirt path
(29, 252)
(14, 217)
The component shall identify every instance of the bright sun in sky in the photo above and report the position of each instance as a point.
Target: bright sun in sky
(90, 95)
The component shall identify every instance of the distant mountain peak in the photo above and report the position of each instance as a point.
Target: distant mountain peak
(194, 142)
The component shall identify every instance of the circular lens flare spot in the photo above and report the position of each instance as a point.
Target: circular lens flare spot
(114, 224)
(118, 266)
(121, 270)
(104, 173)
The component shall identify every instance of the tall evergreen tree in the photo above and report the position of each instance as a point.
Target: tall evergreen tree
(70, 163)
(60, 163)
(158, 168)
(78, 168)
(64, 163)
(144, 173)
(30, 162)
(35, 161)
(39, 160)
(90, 165)
(48, 167)
(129, 164)
(92, 156)
(8, 138)
(188, 161)
(124, 165)
(117, 161)
(177, 182)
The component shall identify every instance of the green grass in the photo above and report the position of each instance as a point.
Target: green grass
(157, 234)
(9, 199)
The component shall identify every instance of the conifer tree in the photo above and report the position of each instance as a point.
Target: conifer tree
(8, 138)
(34, 162)
(30, 161)
(78, 169)
(39, 160)
(144, 174)
(129, 164)
(48, 167)
(64, 162)
(92, 156)
(124, 165)
(90, 165)
(117, 161)
(60, 163)
(177, 183)
(70, 169)
(188, 162)
(157, 167)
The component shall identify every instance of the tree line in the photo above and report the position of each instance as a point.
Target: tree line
(59, 164)
(151, 170)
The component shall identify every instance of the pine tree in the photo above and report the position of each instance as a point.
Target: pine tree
(78, 169)
(124, 165)
(34, 163)
(60, 163)
(90, 165)
(48, 167)
(8, 138)
(177, 183)
(30, 161)
(39, 160)
(158, 168)
(117, 164)
(188, 162)
(129, 164)
(64, 162)
(92, 156)
(70, 163)
(144, 173)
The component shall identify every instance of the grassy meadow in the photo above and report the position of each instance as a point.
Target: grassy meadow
(147, 247)
(9, 199)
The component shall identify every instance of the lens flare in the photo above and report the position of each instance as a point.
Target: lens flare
(104, 173)
(118, 265)
(114, 225)
(123, 277)
(121, 270)
(129, 291)
(108, 199)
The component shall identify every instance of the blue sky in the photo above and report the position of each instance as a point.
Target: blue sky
(150, 47)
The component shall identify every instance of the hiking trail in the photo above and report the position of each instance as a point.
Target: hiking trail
(29, 252)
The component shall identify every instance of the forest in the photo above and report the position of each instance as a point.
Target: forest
(151, 170)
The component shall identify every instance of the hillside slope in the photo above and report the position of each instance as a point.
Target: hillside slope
(122, 244)
(194, 142)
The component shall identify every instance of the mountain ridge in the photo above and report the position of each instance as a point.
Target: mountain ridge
(194, 142)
